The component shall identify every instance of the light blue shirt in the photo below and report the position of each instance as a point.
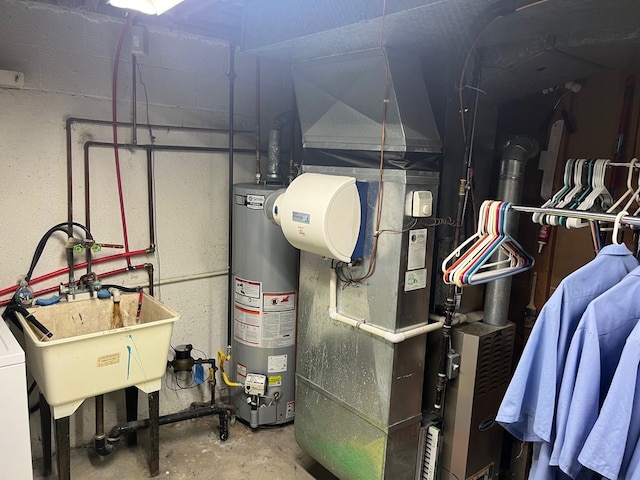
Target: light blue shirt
(614, 436)
(529, 405)
(591, 362)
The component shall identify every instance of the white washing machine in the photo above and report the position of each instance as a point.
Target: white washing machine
(15, 442)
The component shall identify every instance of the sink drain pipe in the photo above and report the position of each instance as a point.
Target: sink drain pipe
(106, 444)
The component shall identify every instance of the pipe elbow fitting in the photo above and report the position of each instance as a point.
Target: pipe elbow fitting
(104, 446)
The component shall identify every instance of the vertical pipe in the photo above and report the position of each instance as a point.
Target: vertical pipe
(149, 268)
(275, 134)
(134, 100)
(150, 193)
(512, 165)
(258, 173)
(99, 399)
(231, 74)
(69, 173)
(292, 140)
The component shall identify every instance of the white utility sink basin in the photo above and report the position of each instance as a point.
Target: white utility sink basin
(86, 357)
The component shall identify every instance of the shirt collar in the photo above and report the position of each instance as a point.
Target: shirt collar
(614, 249)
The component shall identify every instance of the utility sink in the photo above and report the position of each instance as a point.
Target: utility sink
(87, 357)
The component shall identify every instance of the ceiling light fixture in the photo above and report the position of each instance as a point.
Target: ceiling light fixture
(150, 7)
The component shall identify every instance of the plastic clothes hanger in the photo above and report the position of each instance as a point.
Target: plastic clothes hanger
(494, 227)
(629, 190)
(599, 196)
(471, 267)
(518, 259)
(577, 188)
(481, 238)
(553, 201)
(583, 194)
(616, 226)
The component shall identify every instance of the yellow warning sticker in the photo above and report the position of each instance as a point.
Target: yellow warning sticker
(275, 381)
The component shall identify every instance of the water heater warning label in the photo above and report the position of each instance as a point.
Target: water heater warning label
(291, 410)
(247, 293)
(263, 320)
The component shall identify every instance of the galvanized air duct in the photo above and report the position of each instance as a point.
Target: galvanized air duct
(515, 154)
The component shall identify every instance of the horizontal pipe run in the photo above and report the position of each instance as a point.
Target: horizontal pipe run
(584, 215)
(458, 318)
(102, 275)
(359, 324)
(65, 270)
(170, 148)
(106, 445)
(183, 128)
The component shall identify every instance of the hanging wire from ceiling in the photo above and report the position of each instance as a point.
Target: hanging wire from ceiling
(385, 105)
(461, 83)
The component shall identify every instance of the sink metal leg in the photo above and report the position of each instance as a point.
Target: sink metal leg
(45, 434)
(154, 433)
(131, 403)
(63, 448)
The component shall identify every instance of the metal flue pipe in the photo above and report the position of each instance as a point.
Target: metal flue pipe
(516, 152)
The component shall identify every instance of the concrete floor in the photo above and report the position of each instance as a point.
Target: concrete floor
(192, 450)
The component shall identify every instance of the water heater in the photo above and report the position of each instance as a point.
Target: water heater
(265, 273)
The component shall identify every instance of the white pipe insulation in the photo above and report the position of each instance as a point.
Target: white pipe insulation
(361, 324)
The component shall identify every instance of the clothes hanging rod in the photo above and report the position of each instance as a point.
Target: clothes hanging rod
(596, 216)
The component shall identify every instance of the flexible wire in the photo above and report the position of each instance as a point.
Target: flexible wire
(114, 113)
(461, 83)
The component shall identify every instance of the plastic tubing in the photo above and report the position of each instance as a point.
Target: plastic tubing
(360, 324)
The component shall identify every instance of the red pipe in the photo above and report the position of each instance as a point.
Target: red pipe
(102, 275)
(65, 270)
(114, 101)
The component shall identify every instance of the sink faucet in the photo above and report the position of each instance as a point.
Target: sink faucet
(89, 282)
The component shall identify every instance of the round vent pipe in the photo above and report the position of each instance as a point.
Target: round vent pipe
(515, 154)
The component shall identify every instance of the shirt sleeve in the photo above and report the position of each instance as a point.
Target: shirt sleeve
(520, 408)
(567, 386)
(584, 404)
(615, 433)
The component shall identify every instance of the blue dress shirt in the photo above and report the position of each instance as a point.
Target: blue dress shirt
(591, 362)
(614, 436)
(529, 405)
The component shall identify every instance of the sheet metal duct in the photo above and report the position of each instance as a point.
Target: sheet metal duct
(340, 103)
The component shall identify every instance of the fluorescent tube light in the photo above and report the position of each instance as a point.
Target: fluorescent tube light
(150, 7)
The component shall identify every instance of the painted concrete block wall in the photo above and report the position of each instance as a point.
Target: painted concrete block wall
(67, 58)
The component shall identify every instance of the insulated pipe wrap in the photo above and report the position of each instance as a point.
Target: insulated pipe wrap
(515, 154)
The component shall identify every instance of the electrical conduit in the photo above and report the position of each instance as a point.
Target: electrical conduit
(359, 324)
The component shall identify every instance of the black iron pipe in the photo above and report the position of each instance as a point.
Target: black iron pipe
(106, 445)
(134, 100)
(258, 170)
(231, 74)
(150, 194)
(70, 121)
(149, 149)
